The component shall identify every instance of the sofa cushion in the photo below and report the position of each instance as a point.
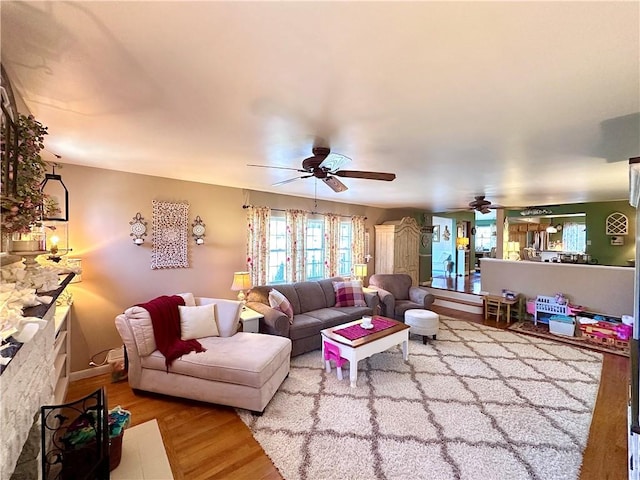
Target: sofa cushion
(244, 359)
(305, 325)
(311, 296)
(198, 322)
(278, 301)
(349, 294)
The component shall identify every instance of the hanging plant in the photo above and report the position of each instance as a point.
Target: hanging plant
(25, 209)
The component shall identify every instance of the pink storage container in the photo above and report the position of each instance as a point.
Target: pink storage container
(531, 307)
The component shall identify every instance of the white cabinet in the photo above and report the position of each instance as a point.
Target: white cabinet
(397, 247)
(61, 352)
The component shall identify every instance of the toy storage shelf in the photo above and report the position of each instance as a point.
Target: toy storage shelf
(548, 307)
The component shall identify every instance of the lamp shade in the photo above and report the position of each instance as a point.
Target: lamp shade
(462, 242)
(552, 229)
(360, 270)
(241, 281)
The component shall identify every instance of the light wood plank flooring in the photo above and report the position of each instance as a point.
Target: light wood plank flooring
(205, 441)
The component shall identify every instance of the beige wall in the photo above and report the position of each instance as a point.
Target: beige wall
(117, 274)
(599, 288)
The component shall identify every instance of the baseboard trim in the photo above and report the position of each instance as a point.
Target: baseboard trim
(463, 307)
(89, 372)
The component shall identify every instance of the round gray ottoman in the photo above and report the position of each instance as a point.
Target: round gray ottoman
(422, 322)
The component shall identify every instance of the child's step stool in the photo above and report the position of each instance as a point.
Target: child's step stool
(332, 352)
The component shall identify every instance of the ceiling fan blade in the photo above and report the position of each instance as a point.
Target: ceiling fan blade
(367, 175)
(273, 166)
(335, 184)
(290, 180)
(334, 161)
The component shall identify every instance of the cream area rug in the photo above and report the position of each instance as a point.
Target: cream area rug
(143, 455)
(477, 403)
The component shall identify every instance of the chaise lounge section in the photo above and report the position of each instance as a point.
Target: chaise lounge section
(314, 308)
(238, 369)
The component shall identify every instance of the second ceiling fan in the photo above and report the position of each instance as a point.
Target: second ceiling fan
(482, 205)
(327, 166)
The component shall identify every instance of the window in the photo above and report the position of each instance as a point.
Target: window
(485, 238)
(315, 268)
(277, 250)
(315, 248)
(574, 237)
(344, 250)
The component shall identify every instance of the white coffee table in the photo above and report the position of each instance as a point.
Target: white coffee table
(364, 347)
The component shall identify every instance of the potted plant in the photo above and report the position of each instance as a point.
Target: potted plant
(21, 214)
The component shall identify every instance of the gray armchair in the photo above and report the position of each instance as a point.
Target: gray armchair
(397, 295)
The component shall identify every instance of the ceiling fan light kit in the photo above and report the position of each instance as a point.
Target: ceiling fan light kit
(335, 184)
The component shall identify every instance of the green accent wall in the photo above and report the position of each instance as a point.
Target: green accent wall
(600, 248)
(424, 265)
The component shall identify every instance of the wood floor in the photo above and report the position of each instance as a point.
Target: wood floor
(205, 441)
(465, 284)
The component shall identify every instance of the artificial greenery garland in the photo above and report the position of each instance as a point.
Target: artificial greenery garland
(25, 210)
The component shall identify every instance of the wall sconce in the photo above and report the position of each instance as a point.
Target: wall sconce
(53, 186)
(360, 271)
(138, 229)
(197, 230)
(241, 282)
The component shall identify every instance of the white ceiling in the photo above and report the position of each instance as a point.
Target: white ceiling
(530, 103)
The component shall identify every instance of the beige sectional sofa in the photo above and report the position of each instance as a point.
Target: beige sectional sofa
(239, 369)
(314, 309)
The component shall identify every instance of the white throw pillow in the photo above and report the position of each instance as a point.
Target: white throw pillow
(198, 322)
(189, 299)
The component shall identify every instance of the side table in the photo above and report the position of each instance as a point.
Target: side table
(493, 305)
(250, 320)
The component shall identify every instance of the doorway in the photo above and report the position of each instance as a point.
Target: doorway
(443, 247)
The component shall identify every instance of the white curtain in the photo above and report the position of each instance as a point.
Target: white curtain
(296, 233)
(258, 219)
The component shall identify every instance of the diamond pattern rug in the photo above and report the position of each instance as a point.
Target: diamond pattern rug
(477, 403)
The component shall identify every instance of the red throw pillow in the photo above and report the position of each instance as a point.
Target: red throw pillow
(349, 294)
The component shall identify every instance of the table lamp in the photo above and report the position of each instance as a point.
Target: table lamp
(241, 282)
(360, 271)
(462, 243)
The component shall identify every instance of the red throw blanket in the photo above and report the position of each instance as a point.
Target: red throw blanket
(165, 318)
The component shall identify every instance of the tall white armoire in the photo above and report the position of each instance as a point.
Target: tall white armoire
(398, 247)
